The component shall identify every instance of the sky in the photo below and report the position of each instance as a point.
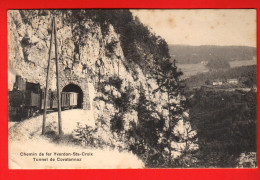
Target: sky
(202, 27)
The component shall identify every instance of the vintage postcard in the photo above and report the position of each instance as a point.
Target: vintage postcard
(127, 88)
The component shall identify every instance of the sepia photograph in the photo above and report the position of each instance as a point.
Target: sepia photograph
(132, 88)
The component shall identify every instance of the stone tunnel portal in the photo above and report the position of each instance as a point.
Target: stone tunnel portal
(75, 88)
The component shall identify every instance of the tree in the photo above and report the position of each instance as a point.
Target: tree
(217, 64)
(167, 77)
(144, 136)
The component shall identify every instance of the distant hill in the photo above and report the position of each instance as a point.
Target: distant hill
(186, 54)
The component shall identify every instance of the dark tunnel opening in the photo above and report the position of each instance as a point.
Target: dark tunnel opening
(75, 88)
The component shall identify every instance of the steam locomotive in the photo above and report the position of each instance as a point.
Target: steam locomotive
(27, 100)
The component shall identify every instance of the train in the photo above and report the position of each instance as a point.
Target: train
(27, 100)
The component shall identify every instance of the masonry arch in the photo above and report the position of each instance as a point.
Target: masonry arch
(71, 87)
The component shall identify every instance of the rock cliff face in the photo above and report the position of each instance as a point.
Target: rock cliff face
(89, 57)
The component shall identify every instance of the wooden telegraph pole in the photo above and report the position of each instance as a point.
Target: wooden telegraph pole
(57, 76)
(53, 32)
(47, 82)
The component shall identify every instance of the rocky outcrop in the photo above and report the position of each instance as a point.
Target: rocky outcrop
(88, 57)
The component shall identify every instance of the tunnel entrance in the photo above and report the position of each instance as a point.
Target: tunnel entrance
(75, 88)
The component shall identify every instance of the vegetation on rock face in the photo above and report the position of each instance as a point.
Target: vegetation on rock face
(136, 40)
(149, 137)
(167, 76)
(140, 46)
(131, 114)
(144, 136)
(131, 118)
(133, 34)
